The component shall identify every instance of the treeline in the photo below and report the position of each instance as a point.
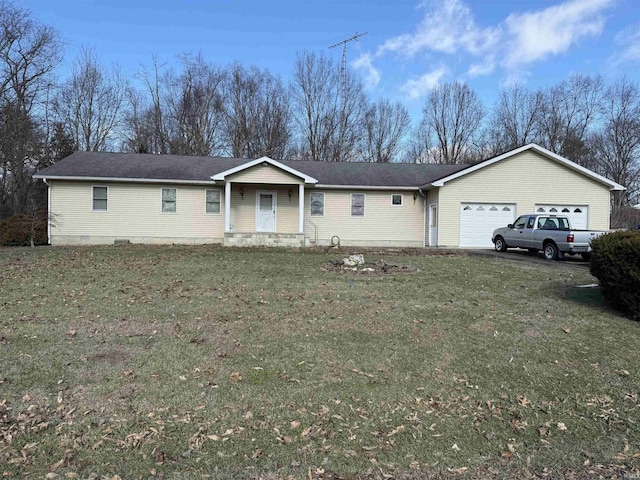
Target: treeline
(323, 114)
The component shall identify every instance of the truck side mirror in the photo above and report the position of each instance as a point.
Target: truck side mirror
(510, 225)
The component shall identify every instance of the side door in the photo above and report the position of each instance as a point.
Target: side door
(528, 232)
(515, 236)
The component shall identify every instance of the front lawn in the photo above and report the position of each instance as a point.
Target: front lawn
(150, 361)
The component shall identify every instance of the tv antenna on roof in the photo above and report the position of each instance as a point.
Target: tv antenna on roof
(343, 64)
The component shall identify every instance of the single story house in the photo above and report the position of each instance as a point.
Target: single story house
(97, 198)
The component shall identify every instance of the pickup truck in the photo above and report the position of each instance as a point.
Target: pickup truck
(550, 233)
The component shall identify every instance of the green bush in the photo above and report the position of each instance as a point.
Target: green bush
(616, 263)
(18, 230)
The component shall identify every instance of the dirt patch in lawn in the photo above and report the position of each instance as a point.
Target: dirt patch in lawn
(110, 356)
(397, 252)
(380, 267)
(485, 327)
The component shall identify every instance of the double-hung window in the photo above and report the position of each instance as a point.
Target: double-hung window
(317, 204)
(357, 204)
(169, 197)
(100, 201)
(213, 201)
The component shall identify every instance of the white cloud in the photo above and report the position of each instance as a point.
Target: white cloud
(418, 87)
(447, 27)
(482, 68)
(372, 74)
(629, 40)
(534, 36)
(449, 31)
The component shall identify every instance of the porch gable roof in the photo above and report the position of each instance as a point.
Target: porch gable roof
(264, 160)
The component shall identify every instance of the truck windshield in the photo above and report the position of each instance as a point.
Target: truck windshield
(553, 223)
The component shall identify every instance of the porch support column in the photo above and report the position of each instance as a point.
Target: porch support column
(227, 206)
(301, 208)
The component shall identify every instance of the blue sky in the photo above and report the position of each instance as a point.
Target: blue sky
(410, 46)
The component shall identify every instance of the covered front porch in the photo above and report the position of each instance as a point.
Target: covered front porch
(264, 215)
(264, 204)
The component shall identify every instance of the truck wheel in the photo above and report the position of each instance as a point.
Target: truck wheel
(586, 256)
(550, 251)
(500, 244)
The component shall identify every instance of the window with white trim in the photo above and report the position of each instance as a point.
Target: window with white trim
(396, 199)
(169, 196)
(316, 204)
(212, 201)
(357, 204)
(100, 201)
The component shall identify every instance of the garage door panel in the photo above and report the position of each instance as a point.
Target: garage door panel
(578, 215)
(479, 220)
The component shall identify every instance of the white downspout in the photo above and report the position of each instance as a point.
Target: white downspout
(227, 207)
(424, 218)
(301, 208)
(48, 210)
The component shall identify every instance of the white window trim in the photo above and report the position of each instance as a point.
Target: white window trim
(205, 201)
(100, 186)
(401, 199)
(364, 205)
(162, 201)
(323, 204)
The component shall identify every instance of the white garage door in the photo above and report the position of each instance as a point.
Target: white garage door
(479, 220)
(578, 214)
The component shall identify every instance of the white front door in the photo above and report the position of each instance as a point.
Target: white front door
(266, 211)
(433, 225)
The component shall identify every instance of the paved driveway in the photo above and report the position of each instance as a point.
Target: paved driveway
(524, 256)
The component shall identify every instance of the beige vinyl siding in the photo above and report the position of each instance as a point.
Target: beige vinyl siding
(264, 175)
(134, 212)
(382, 224)
(524, 179)
(243, 209)
(432, 197)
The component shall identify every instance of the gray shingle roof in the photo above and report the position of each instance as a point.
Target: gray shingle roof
(135, 166)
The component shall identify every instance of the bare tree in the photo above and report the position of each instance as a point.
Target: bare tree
(89, 104)
(28, 54)
(616, 147)
(314, 94)
(352, 107)
(452, 117)
(194, 114)
(385, 126)
(514, 118)
(568, 111)
(155, 85)
(138, 131)
(257, 114)
(328, 109)
(146, 118)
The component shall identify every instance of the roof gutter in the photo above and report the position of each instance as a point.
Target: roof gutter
(364, 187)
(125, 180)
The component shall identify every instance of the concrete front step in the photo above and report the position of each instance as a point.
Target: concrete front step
(264, 239)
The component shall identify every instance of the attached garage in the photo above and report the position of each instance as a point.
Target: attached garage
(475, 201)
(578, 215)
(479, 220)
